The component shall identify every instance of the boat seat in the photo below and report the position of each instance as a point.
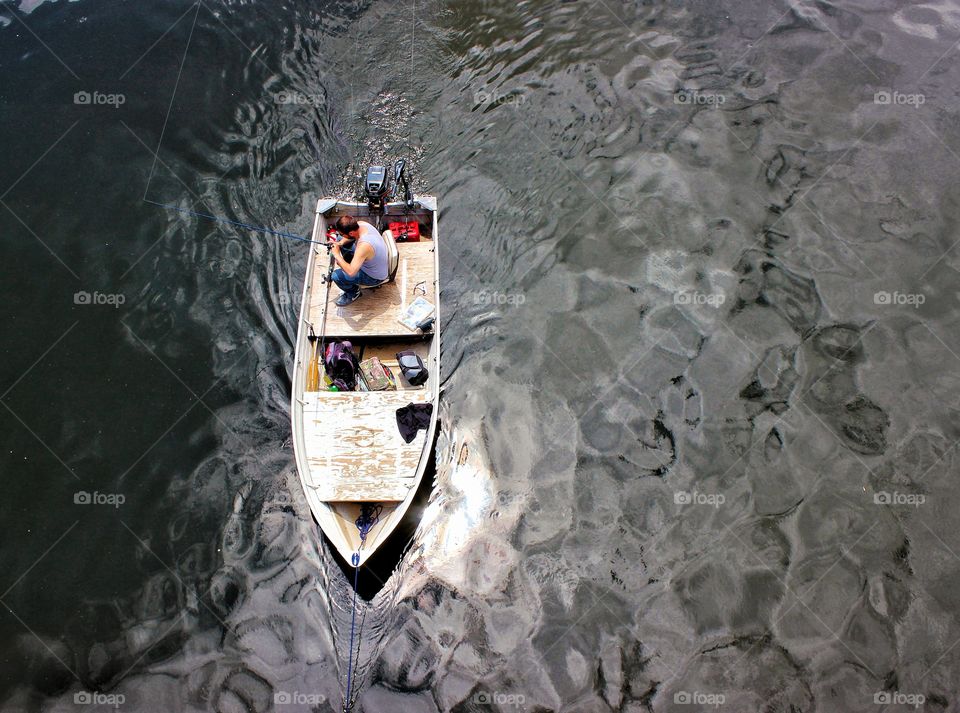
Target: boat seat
(393, 261)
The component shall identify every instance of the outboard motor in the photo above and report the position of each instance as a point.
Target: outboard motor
(376, 186)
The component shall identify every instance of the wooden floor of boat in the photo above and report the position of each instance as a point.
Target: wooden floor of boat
(354, 448)
(377, 312)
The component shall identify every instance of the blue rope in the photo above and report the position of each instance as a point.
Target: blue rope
(369, 516)
(233, 222)
(348, 704)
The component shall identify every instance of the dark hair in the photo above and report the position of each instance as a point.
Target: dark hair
(347, 224)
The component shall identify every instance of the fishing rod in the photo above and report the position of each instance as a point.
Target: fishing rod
(278, 233)
(320, 350)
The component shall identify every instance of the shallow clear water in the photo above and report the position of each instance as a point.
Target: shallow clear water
(699, 352)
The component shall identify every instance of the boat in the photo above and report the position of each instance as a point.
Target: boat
(358, 474)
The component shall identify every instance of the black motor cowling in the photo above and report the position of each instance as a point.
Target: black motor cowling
(376, 186)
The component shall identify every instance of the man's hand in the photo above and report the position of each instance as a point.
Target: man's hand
(338, 258)
(363, 253)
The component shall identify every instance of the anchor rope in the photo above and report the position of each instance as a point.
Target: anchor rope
(352, 700)
(348, 702)
(369, 516)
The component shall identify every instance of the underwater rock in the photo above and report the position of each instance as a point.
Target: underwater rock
(243, 692)
(748, 673)
(270, 639)
(227, 591)
(772, 477)
(765, 282)
(862, 426)
(410, 660)
(821, 593)
(708, 594)
(773, 381)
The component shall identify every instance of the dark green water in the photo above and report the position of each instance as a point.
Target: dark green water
(700, 355)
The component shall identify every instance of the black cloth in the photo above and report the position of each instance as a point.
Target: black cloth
(411, 418)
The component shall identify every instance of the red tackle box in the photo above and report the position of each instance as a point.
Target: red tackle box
(406, 231)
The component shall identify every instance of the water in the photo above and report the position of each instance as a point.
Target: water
(699, 421)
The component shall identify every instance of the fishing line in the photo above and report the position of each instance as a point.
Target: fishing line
(257, 228)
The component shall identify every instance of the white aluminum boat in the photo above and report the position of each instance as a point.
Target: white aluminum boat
(349, 452)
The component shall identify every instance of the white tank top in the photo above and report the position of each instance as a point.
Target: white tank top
(375, 266)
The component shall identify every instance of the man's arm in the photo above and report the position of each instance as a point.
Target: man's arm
(361, 255)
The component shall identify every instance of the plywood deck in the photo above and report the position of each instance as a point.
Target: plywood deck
(354, 449)
(377, 311)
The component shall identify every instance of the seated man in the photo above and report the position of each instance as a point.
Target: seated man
(361, 257)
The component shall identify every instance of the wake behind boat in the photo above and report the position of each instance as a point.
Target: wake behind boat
(359, 474)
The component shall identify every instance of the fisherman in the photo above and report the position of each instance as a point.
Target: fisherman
(361, 256)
